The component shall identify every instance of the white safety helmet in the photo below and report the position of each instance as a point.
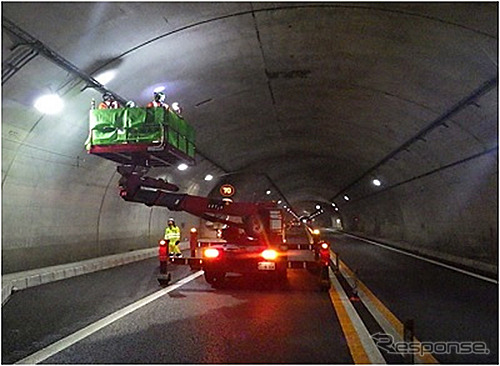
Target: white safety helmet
(159, 97)
(176, 107)
(108, 97)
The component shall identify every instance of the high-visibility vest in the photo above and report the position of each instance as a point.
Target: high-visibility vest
(172, 234)
(109, 105)
(155, 104)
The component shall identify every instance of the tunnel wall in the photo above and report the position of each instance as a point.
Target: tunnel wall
(54, 222)
(61, 205)
(451, 214)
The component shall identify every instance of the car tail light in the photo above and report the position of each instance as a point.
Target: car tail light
(163, 242)
(211, 253)
(324, 245)
(269, 254)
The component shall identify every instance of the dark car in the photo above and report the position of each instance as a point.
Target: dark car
(260, 259)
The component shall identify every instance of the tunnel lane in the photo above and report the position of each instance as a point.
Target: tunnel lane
(247, 321)
(446, 305)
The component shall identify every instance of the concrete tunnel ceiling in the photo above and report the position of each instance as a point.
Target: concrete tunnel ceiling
(321, 97)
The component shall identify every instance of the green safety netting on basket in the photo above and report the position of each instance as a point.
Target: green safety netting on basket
(140, 125)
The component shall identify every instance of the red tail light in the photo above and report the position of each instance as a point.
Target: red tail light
(211, 253)
(324, 245)
(163, 242)
(269, 254)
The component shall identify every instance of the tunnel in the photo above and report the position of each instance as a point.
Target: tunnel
(375, 120)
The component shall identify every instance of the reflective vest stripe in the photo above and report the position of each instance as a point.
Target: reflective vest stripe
(173, 234)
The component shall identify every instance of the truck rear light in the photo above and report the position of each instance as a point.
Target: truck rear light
(211, 253)
(324, 245)
(269, 254)
(163, 242)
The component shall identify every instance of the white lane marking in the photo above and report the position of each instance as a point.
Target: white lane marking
(64, 343)
(463, 271)
(369, 346)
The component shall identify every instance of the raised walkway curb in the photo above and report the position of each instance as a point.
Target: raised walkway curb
(474, 266)
(21, 280)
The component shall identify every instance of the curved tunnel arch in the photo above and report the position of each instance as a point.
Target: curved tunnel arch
(280, 8)
(248, 98)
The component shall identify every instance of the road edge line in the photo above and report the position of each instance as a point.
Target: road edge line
(428, 260)
(361, 346)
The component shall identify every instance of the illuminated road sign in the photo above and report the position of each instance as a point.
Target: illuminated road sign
(227, 190)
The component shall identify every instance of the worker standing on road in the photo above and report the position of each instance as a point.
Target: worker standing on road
(173, 235)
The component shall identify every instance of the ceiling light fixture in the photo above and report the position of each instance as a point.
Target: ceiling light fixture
(376, 182)
(49, 104)
(209, 177)
(182, 166)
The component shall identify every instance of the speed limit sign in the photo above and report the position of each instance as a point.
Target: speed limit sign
(227, 190)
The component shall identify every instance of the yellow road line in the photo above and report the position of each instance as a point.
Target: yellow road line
(356, 348)
(395, 322)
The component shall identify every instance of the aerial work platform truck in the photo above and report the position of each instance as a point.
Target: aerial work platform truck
(253, 236)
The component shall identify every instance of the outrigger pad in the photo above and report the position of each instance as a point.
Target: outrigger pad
(153, 136)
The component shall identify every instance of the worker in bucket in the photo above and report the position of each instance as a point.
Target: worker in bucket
(109, 102)
(158, 101)
(173, 236)
(177, 109)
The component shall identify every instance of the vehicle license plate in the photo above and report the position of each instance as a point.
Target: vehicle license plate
(266, 266)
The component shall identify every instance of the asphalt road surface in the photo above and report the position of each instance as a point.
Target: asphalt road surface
(247, 321)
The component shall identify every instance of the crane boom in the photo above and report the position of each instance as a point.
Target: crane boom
(156, 192)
